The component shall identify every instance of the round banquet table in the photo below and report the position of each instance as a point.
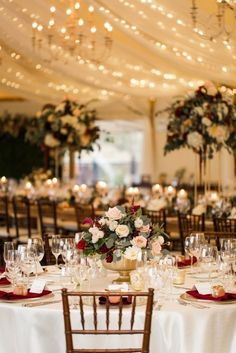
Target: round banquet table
(176, 328)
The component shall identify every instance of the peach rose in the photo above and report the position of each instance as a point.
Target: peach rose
(156, 248)
(114, 213)
(139, 241)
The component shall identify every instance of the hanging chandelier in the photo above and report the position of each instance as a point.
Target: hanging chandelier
(216, 24)
(80, 34)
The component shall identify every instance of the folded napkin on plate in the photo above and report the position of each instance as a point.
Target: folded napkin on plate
(197, 295)
(4, 281)
(125, 300)
(186, 262)
(11, 296)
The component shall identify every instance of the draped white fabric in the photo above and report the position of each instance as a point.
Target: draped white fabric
(155, 54)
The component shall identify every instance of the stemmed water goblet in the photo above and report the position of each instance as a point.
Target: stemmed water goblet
(28, 259)
(55, 246)
(37, 245)
(12, 265)
(208, 258)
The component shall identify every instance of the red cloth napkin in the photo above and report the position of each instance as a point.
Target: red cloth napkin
(125, 301)
(2, 269)
(197, 295)
(11, 296)
(186, 262)
(4, 281)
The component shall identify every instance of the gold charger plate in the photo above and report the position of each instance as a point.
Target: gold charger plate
(26, 300)
(188, 298)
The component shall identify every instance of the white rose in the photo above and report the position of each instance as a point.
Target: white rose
(210, 88)
(161, 239)
(122, 230)
(96, 234)
(138, 222)
(112, 225)
(60, 107)
(51, 141)
(198, 110)
(114, 213)
(195, 140)
(102, 221)
(206, 121)
(132, 252)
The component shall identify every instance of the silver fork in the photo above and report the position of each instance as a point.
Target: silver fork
(29, 305)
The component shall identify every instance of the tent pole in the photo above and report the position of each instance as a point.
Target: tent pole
(152, 105)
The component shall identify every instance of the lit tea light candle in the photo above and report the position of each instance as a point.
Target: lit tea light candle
(48, 182)
(83, 188)
(214, 197)
(54, 181)
(3, 180)
(76, 188)
(28, 185)
(182, 194)
(170, 191)
(157, 189)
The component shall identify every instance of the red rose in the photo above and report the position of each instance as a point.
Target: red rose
(88, 220)
(109, 258)
(81, 244)
(103, 249)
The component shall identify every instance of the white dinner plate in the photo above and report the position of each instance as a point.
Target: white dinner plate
(188, 298)
(26, 300)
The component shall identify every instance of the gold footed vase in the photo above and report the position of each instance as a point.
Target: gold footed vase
(123, 267)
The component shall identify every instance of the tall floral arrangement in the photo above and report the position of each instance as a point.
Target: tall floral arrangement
(122, 232)
(67, 125)
(204, 122)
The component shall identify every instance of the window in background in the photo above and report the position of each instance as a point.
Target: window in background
(117, 162)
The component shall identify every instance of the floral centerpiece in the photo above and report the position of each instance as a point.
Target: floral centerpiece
(67, 125)
(204, 122)
(122, 232)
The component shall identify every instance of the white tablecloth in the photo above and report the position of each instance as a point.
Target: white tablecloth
(175, 329)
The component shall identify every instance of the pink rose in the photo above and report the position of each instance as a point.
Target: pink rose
(156, 248)
(145, 229)
(114, 213)
(139, 241)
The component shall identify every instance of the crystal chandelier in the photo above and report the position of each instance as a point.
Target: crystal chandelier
(79, 34)
(215, 26)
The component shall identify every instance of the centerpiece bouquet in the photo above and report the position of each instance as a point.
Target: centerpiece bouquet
(204, 122)
(122, 232)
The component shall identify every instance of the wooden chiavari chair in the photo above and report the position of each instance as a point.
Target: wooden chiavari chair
(222, 224)
(6, 230)
(189, 223)
(105, 322)
(215, 237)
(157, 217)
(83, 211)
(25, 225)
(47, 211)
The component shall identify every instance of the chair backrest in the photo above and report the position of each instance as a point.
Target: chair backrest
(189, 223)
(22, 215)
(222, 224)
(83, 211)
(103, 320)
(47, 210)
(157, 217)
(49, 258)
(215, 237)
(4, 213)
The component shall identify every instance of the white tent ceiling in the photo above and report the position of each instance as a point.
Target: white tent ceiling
(155, 54)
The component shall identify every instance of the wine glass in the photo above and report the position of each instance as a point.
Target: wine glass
(37, 244)
(208, 258)
(188, 248)
(55, 246)
(8, 246)
(12, 265)
(27, 258)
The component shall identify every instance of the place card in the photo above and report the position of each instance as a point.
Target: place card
(203, 288)
(118, 287)
(38, 286)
